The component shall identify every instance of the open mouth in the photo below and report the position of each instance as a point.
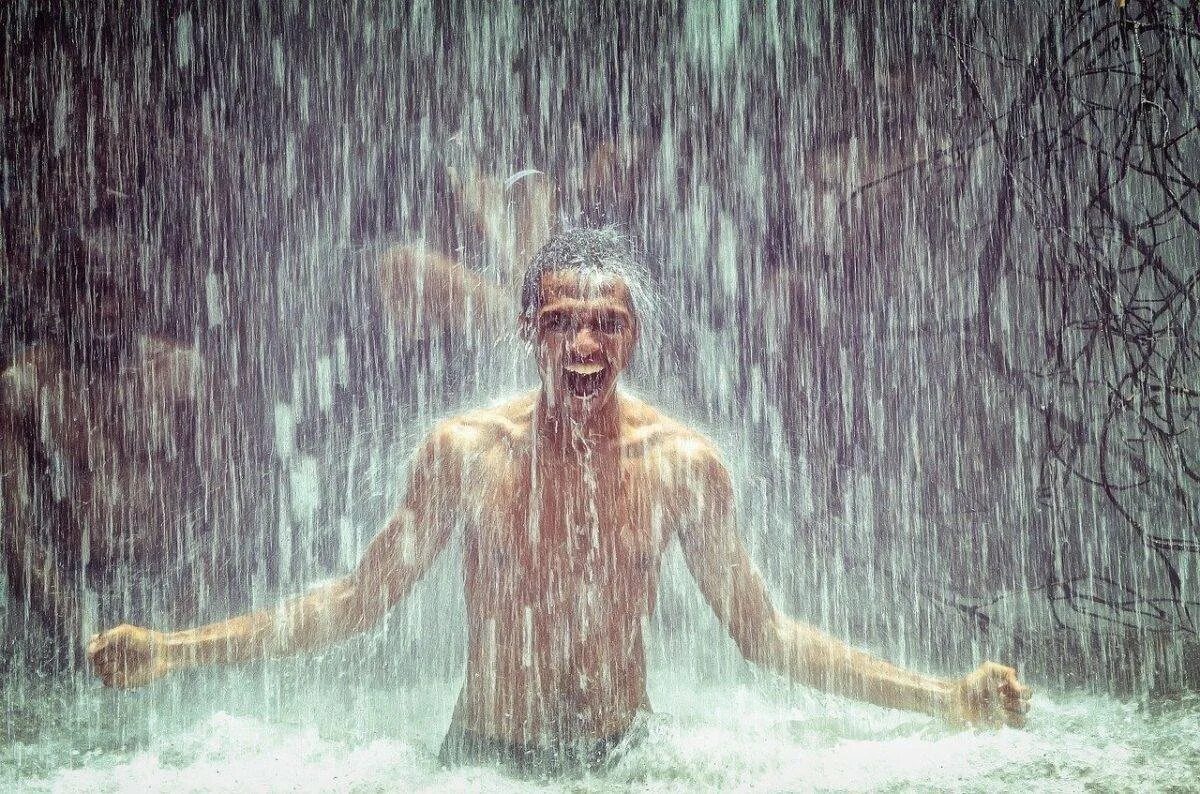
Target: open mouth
(584, 380)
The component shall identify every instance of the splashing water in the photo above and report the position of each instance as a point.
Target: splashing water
(708, 737)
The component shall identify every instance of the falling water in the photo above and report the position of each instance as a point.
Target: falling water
(927, 275)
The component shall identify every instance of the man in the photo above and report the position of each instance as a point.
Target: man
(99, 472)
(567, 498)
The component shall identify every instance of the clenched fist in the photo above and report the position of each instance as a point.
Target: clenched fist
(990, 696)
(128, 656)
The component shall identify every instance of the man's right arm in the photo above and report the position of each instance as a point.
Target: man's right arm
(400, 554)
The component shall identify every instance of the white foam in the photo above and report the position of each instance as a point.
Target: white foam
(723, 737)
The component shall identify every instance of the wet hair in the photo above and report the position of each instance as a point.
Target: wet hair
(599, 251)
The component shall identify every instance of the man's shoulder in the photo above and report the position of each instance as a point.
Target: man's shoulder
(649, 429)
(478, 428)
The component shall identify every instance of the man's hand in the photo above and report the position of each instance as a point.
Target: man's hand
(128, 656)
(990, 696)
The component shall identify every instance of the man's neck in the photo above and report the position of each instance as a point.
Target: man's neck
(558, 428)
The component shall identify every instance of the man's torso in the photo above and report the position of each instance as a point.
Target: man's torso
(561, 564)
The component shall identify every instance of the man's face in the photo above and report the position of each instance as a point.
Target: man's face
(584, 331)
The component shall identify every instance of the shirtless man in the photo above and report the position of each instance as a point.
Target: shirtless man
(567, 498)
(98, 466)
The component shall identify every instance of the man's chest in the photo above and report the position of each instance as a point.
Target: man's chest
(556, 534)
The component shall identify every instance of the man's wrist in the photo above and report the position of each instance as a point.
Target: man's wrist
(939, 700)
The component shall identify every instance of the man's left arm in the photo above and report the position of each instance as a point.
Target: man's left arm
(735, 590)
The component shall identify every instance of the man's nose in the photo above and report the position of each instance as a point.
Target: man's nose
(584, 343)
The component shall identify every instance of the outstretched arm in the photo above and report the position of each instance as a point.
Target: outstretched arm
(735, 590)
(399, 555)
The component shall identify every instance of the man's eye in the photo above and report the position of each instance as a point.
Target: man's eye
(610, 324)
(557, 323)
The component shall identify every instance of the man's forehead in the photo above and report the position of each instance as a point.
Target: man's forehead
(573, 287)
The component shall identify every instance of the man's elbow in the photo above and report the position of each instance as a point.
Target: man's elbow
(334, 612)
(763, 642)
(364, 606)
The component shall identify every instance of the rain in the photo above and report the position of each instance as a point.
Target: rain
(925, 275)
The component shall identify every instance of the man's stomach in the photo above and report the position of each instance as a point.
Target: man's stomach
(547, 702)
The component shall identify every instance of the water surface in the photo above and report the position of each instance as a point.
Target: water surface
(753, 734)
